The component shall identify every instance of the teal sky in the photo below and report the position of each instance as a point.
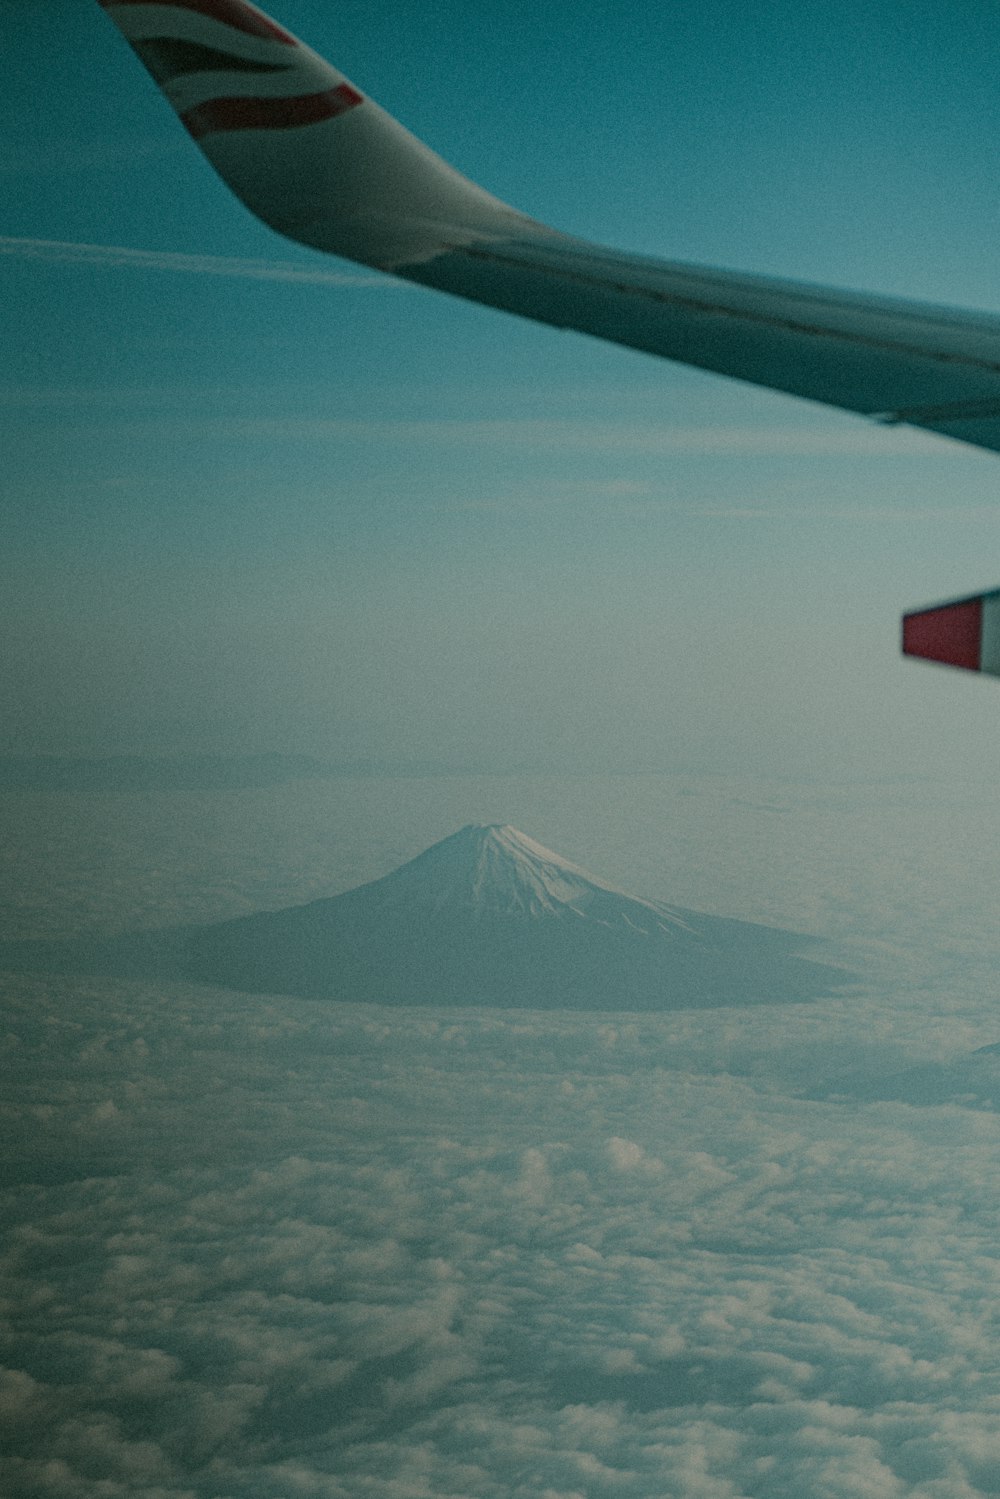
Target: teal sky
(257, 498)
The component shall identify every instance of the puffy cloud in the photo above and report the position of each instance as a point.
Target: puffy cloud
(291, 1248)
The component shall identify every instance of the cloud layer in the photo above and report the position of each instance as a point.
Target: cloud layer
(269, 1248)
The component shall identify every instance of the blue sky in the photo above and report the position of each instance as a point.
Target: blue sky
(349, 517)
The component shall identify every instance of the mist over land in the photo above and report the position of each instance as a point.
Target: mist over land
(261, 1245)
(189, 772)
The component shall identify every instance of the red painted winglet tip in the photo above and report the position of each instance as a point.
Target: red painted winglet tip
(950, 633)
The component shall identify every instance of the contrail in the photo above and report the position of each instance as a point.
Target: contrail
(171, 260)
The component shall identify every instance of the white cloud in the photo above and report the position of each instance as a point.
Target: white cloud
(123, 257)
(666, 1282)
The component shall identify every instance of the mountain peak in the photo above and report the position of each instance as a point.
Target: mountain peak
(494, 869)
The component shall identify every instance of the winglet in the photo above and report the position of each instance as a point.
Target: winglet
(963, 633)
(300, 145)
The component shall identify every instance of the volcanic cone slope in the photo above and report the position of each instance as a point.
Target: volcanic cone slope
(488, 916)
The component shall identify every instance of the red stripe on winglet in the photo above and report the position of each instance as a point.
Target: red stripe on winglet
(952, 634)
(229, 12)
(270, 114)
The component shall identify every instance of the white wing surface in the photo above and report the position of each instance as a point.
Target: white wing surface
(308, 153)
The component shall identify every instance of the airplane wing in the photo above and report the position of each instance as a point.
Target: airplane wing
(321, 163)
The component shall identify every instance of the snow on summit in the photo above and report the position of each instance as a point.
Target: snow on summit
(494, 868)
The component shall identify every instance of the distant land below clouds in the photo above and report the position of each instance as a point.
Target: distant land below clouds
(143, 773)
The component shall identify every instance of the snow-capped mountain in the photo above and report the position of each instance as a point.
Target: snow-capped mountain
(493, 870)
(489, 916)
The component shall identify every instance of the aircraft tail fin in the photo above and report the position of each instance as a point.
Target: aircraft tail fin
(963, 633)
(303, 148)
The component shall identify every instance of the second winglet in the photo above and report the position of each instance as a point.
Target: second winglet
(963, 633)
